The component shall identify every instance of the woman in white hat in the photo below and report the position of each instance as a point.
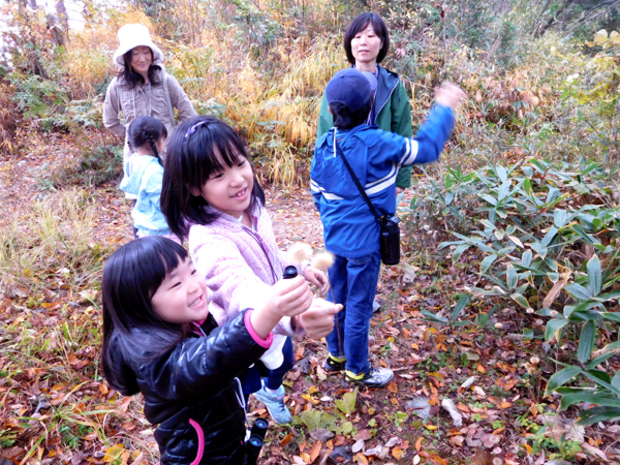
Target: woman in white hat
(142, 86)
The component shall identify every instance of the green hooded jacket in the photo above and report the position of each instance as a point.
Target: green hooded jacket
(394, 114)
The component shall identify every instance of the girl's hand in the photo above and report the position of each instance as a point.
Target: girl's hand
(289, 297)
(318, 321)
(449, 95)
(317, 278)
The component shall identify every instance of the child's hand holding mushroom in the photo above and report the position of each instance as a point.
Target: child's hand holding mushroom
(301, 252)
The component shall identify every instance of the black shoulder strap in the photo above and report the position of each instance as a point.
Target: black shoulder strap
(357, 182)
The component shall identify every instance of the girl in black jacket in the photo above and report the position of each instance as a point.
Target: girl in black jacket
(159, 339)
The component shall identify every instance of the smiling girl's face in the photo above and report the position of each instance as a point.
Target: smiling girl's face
(182, 296)
(229, 189)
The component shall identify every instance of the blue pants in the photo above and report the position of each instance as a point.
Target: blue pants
(354, 284)
(251, 378)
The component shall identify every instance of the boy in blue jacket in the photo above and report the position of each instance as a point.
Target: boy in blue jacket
(350, 229)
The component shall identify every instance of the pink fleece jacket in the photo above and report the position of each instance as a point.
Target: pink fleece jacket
(240, 265)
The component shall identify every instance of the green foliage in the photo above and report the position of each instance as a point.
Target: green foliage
(96, 166)
(592, 93)
(347, 404)
(315, 419)
(458, 308)
(37, 97)
(547, 237)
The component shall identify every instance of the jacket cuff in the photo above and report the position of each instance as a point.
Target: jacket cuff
(266, 343)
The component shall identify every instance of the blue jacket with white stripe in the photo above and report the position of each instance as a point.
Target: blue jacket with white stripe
(349, 227)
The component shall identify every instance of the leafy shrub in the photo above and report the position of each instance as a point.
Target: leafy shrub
(37, 97)
(95, 167)
(546, 237)
(8, 120)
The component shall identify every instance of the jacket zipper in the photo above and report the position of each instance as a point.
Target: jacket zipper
(386, 100)
(274, 275)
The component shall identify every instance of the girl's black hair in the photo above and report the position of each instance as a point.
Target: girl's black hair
(359, 24)
(199, 147)
(347, 119)
(131, 277)
(146, 130)
(132, 78)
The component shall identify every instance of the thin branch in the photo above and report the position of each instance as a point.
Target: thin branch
(585, 19)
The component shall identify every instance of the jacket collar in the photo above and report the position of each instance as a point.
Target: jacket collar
(386, 83)
(226, 219)
(341, 135)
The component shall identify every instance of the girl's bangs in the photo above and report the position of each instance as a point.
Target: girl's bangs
(171, 257)
(225, 154)
(159, 257)
(133, 274)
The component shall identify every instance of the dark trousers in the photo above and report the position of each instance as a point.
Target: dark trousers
(251, 378)
(354, 284)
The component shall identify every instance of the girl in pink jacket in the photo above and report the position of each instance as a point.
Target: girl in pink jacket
(210, 195)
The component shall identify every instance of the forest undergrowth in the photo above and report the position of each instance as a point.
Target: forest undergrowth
(501, 322)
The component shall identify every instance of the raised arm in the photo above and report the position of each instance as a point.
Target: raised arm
(233, 283)
(428, 143)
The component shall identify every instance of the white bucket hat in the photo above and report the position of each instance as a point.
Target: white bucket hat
(131, 36)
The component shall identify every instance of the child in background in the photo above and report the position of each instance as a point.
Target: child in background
(210, 193)
(143, 176)
(160, 339)
(350, 229)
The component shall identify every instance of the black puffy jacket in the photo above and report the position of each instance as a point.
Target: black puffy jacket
(192, 394)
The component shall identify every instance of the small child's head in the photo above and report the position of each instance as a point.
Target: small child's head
(207, 165)
(151, 290)
(349, 95)
(147, 133)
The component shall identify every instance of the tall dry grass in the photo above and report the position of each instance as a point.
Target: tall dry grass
(54, 245)
(270, 91)
(271, 98)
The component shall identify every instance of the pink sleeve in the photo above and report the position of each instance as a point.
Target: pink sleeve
(266, 343)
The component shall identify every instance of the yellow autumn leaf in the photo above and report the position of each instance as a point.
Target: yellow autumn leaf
(397, 453)
(430, 427)
(600, 36)
(113, 453)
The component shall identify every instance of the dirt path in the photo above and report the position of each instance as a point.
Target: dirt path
(22, 181)
(294, 217)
